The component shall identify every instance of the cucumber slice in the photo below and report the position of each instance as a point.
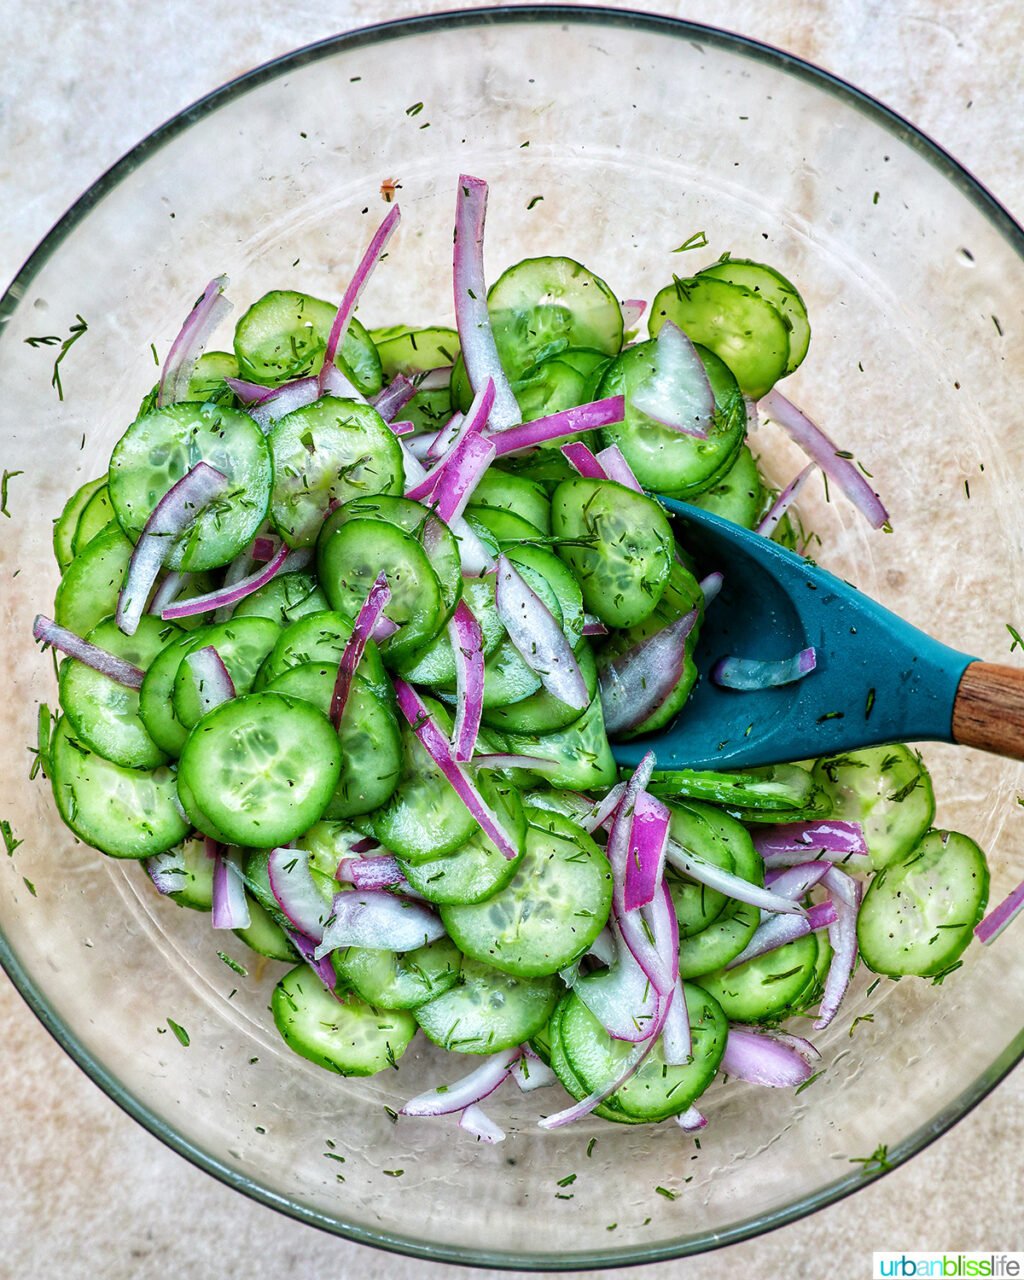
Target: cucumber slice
(618, 544)
(740, 326)
(670, 461)
(321, 637)
(243, 645)
(156, 708)
(260, 769)
(342, 1035)
(103, 714)
(265, 936)
(549, 387)
(550, 912)
(371, 746)
(581, 751)
(507, 527)
(388, 980)
(888, 791)
(919, 913)
(159, 448)
(283, 599)
(284, 334)
(435, 665)
(738, 495)
(189, 866)
(542, 713)
(591, 364)
(325, 453)
(67, 521)
(773, 788)
(413, 351)
(704, 831)
(764, 988)
(724, 937)
(548, 1045)
(208, 377)
(92, 582)
(96, 515)
(474, 872)
(126, 813)
(776, 289)
(537, 562)
(509, 492)
(487, 1010)
(658, 1090)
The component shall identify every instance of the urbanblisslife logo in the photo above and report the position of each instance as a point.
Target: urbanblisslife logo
(957, 1266)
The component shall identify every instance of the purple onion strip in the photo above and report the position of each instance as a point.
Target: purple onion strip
(1001, 916)
(536, 635)
(473, 1088)
(584, 417)
(751, 674)
(188, 346)
(467, 641)
(107, 664)
(783, 502)
(355, 646)
(228, 596)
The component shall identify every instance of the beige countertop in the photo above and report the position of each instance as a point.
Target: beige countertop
(84, 1191)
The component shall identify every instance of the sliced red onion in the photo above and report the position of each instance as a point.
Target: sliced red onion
(775, 931)
(733, 886)
(168, 591)
(748, 674)
(760, 1057)
(176, 511)
(188, 346)
(621, 998)
(530, 1073)
(447, 437)
(618, 469)
(582, 458)
(593, 626)
(439, 749)
(1001, 916)
(355, 646)
(796, 881)
(645, 863)
(395, 396)
(479, 350)
(632, 312)
(292, 884)
(476, 559)
(691, 1120)
(845, 895)
(583, 1108)
(710, 586)
(511, 760)
(635, 684)
(283, 559)
(604, 809)
(212, 679)
(477, 1122)
(168, 870)
(831, 838)
(463, 473)
(783, 502)
(107, 664)
(382, 872)
(250, 393)
(263, 549)
(465, 424)
(323, 969)
(537, 637)
(402, 428)
(584, 417)
(346, 310)
(676, 1037)
(380, 920)
(479, 1084)
(677, 394)
(230, 905)
(383, 629)
(467, 641)
(816, 444)
(283, 400)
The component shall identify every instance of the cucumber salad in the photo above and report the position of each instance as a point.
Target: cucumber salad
(349, 624)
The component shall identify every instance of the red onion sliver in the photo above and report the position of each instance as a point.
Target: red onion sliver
(843, 937)
(188, 346)
(176, 511)
(826, 838)
(283, 559)
(446, 437)
(582, 458)
(584, 417)
(323, 969)
(510, 760)
(636, 683)
(380, 920)
(461, 475)
(727, 882)
(1001, 916)
(604, 809)
(676, 1038)
(477, 1122)
(472, 422)
(479, 350)
(816, 444)
(292, 884)
(586, 1105)
(748, 674)
(381, 872)
(530, 1073)
(230, 904)
(346, 310)
(762, 1058)
(107, 664)
(467, 641)
(250, 393)
(593, 626)
(283, 400)
(479, 1084)
(645, 863)
(168, 591)
(355, 646)
(776, 930)
(783, 502)
(395, 396)
(798, 880)
(537, 637)
(263, 550)
(618, 469)
(439, 749)
(212, 679)
(710, 586)
(621, 998)
(678, 393)
(632, 311)
(691, 1120)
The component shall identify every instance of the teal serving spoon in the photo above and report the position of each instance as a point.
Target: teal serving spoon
(877, 678)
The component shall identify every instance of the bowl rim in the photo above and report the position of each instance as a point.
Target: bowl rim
(500, 15)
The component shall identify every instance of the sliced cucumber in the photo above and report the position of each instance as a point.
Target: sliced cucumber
(581, 752)
(487, 1010)
(699, 828)
(284, 599)
(738, 495)
(190, 867)
(764, 988)
(509, 492)
(265, 936)
(96, 515)
(67, 521)
(242, 643)
(776, 289)
(388, 980)
(92, 582)
(321, 637)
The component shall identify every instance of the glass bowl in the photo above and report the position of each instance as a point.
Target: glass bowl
(637, 132)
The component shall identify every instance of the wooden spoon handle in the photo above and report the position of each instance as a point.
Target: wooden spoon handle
(988, 711)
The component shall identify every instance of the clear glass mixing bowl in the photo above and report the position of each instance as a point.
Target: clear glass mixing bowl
(637, 132)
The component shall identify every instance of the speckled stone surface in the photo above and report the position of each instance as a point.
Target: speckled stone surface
(84, 1192)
